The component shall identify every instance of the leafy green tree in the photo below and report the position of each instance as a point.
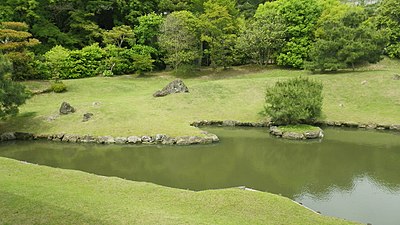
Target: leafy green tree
(219, 31)
(12, 94)
(388, 18)
(148, 29)
(300, 17)
(345, 39)
(263, 36)
(180, 39)
(119, 36)
(297, 100)
(15, 41)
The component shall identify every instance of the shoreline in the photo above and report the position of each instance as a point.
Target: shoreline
(206, 138)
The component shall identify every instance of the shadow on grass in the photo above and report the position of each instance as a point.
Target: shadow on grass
(24, 122)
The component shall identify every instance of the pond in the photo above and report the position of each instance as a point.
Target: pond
(352, 174)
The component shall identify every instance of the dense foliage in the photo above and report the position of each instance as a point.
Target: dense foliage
(12, 94)
(345, 38)
(111, 37)
(298, 100)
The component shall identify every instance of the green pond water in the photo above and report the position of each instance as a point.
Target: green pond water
(352, 174)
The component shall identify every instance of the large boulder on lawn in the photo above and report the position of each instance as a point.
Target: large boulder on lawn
(176, 86)
(66, 108)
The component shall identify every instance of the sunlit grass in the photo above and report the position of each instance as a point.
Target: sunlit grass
(127, 107)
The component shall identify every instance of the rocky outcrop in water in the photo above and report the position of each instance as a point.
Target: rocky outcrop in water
(176, 86)
(312, 134)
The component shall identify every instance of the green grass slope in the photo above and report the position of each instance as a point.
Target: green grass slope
(32, 194)
(127, 106)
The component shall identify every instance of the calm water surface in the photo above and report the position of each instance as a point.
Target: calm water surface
(349, 174)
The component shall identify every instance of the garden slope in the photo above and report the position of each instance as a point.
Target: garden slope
(126, 105)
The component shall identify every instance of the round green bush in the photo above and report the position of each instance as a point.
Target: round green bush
(58, 87)
(294, 101)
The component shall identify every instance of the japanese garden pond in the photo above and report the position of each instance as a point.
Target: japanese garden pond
(352, 174)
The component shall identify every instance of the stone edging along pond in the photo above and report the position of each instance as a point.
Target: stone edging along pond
(182, 140)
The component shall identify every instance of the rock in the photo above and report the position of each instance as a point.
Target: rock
(350, 124)
(229, 123)
(196, 140)
(134, 140)
(396, 77)
(147, 140)
(293, 136)
(23, 136)
(176, 86)
(121, 140)
(313, 134)
(95, 104)
(9, 136)
(87, 117)
(88, 139)
(105, 140)
(395, 127)
(168, 141)
(70, 138)
(362, 126)
(183, 140)
(40, 136)
(213, 137)
(52, 117)
(56, 137)
(337, 123)
(275, 131)
(371, 126)
(66, 108)
(160, 137)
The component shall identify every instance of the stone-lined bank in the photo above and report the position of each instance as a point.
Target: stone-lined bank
(232, 123)
(182, 140)
(157, 139)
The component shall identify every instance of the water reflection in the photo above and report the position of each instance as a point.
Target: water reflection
(348, 174)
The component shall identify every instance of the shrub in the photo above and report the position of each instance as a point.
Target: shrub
(88, 62)
(294, 101)
(58, 87)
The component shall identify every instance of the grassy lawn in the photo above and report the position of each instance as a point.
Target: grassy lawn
(32, 194)
(126, 106)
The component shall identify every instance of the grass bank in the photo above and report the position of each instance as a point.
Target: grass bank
(124, 105)
(32, 194)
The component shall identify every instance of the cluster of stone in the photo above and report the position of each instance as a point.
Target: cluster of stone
(394, 127)
(229, 123)
(157, 139)
(314, 134)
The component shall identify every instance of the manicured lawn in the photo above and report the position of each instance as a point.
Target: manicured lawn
(32, 194)
(125, 105)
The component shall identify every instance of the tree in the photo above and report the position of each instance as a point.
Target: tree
(15, 41)
(388, 18)
(300, 17)
(148, 29)
(345, 39)
(180, 39)
(263, 36)
(297, 100)
(119, 36)
(219, 31)
(12, 94)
